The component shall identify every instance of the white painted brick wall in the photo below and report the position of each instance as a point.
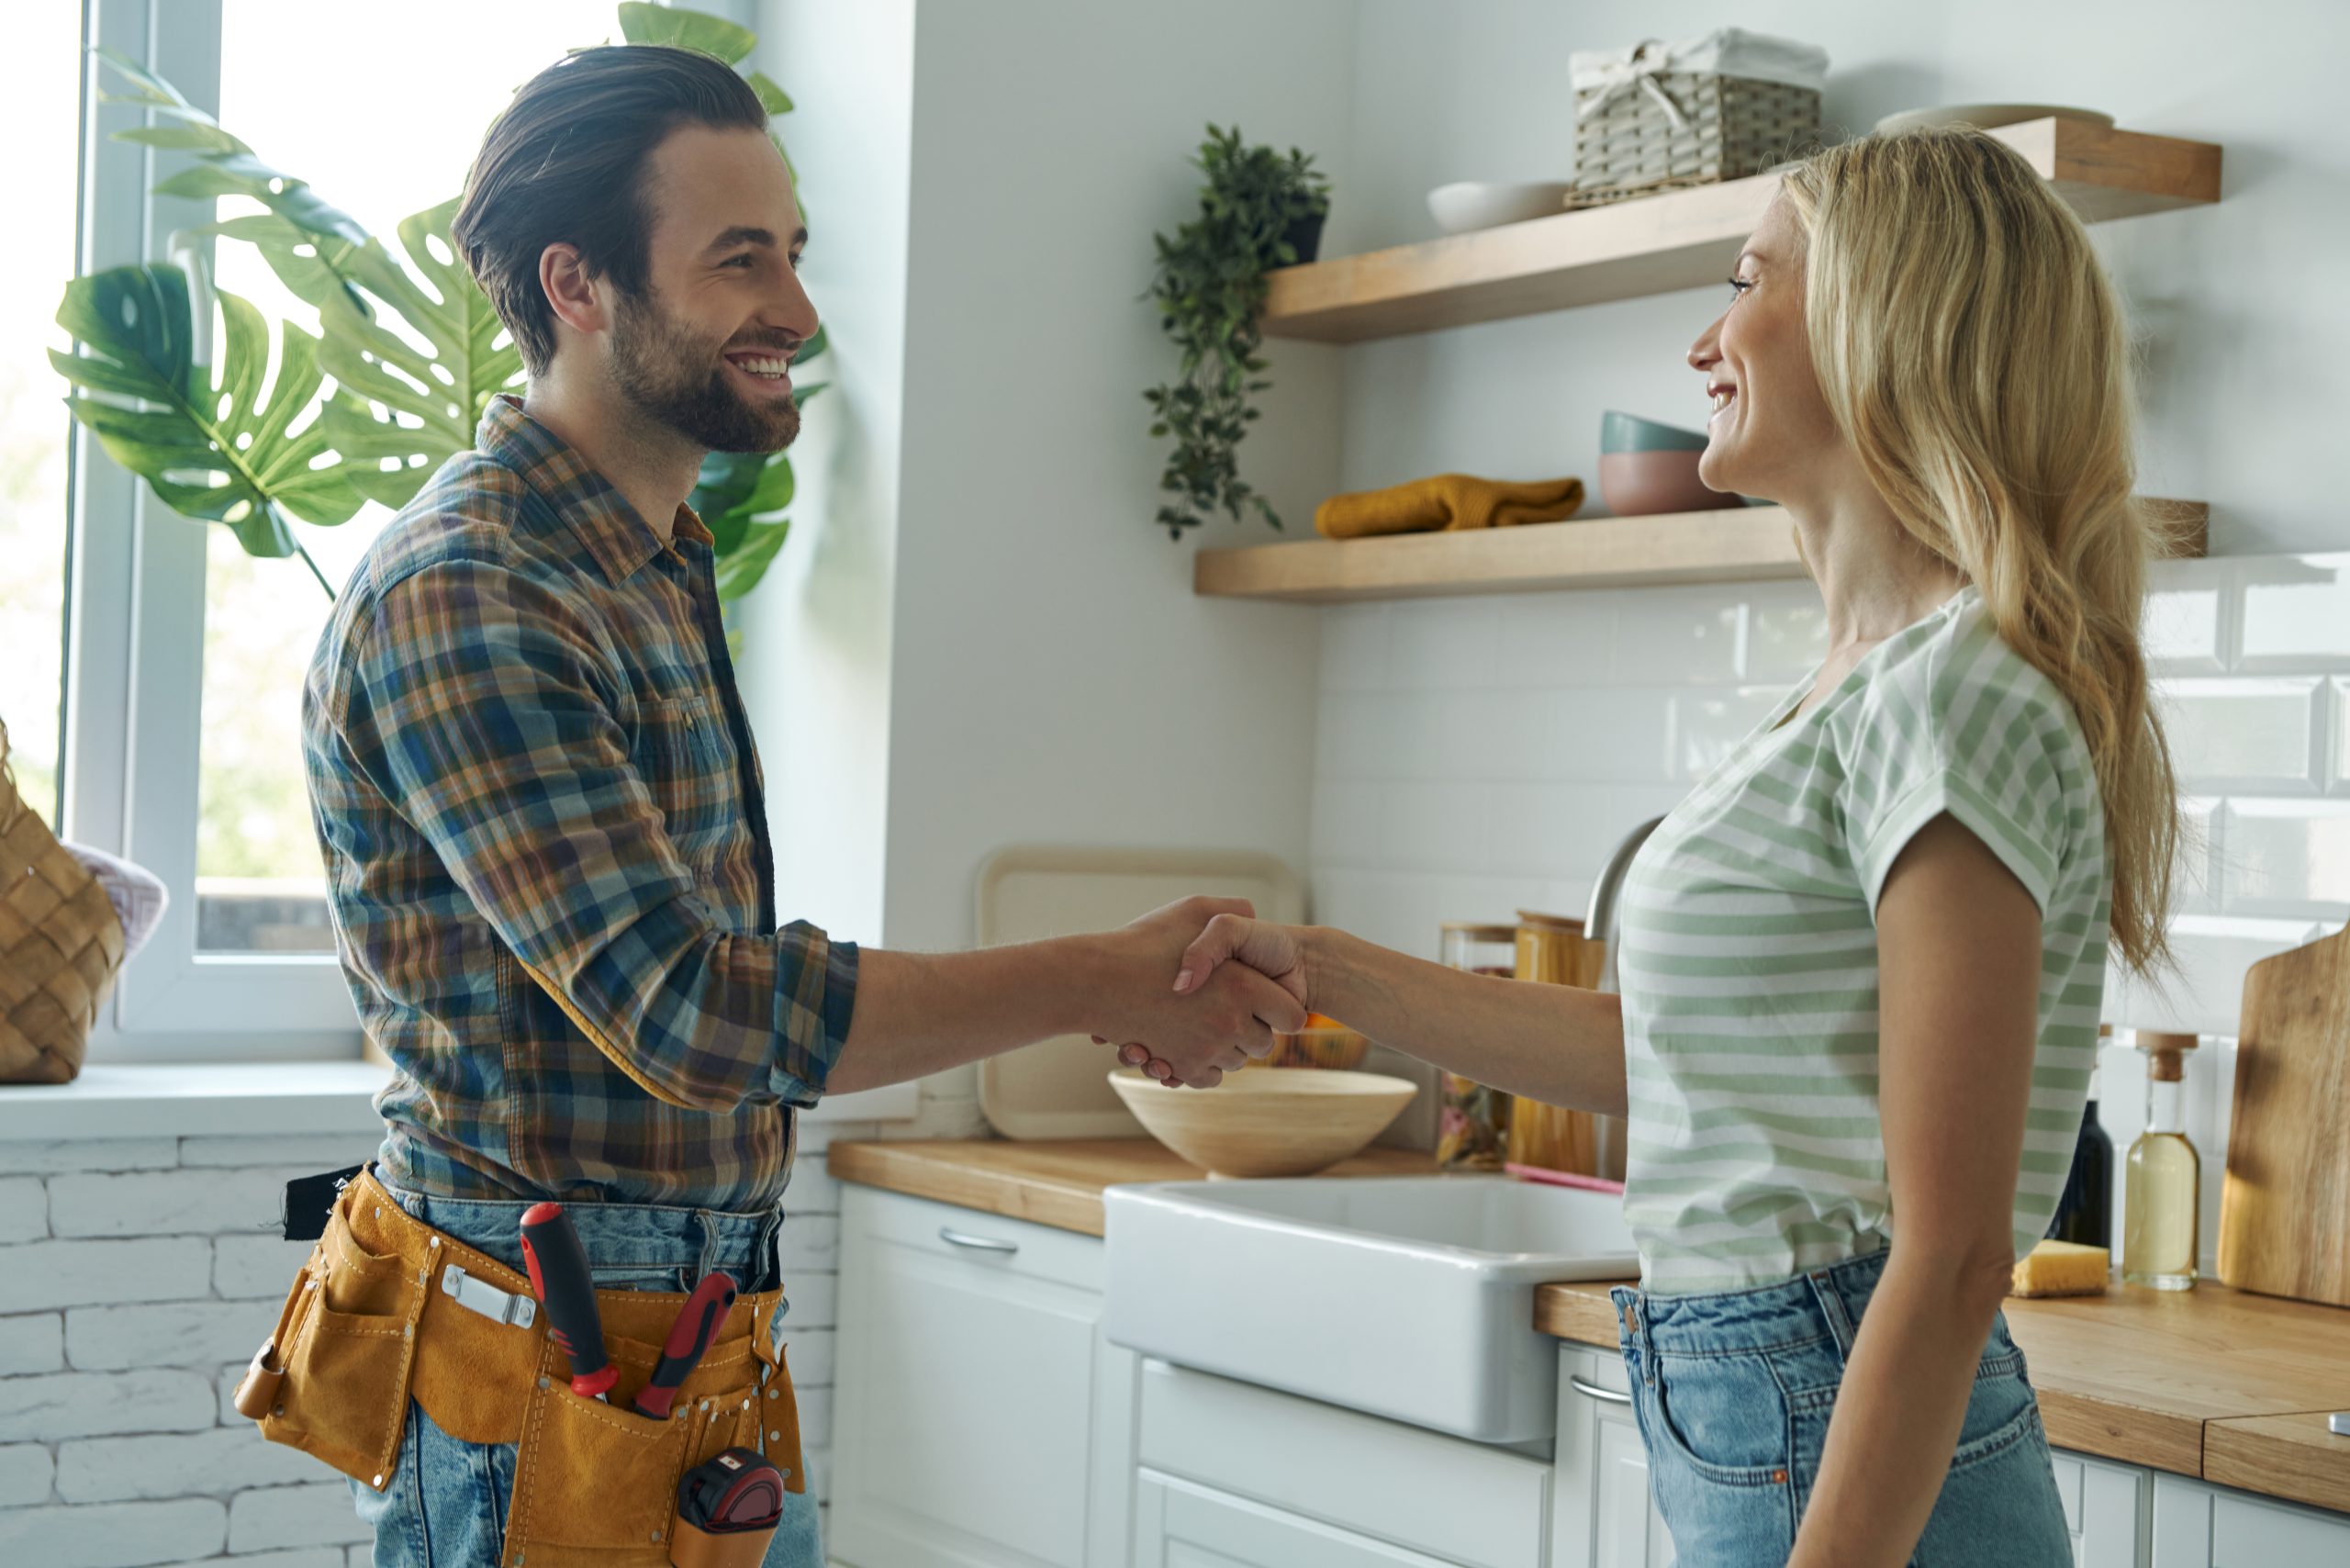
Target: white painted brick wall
(132, 1271)
(136, 1278)
(1474, 759)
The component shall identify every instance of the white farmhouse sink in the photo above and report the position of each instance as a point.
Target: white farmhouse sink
(1410, 1297)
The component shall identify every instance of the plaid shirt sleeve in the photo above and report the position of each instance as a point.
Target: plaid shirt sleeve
(492, 710)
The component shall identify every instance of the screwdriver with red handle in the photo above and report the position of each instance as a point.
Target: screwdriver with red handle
(696, 1325)
(559, 1274)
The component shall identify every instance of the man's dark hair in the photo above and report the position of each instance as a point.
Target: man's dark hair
(565, 164)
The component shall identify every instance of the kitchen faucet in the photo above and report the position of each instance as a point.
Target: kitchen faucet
(1600, 924)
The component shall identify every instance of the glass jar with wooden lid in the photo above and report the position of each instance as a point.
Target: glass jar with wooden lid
(1473, 1118)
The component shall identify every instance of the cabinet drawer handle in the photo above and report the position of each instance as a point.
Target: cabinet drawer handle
(1595, 1392)
(948, 1234)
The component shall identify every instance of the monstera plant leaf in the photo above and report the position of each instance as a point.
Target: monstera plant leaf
(406, 399)
(229, 168)
(211, 445)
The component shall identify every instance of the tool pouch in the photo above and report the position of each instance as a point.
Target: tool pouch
(387, 1310)
(698, 1548)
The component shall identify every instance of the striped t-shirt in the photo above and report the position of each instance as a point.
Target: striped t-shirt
(1749, 966)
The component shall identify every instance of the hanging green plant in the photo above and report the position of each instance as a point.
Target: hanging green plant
(1257, 210)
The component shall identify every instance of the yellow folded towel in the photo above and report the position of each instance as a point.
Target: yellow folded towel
(1448, 501)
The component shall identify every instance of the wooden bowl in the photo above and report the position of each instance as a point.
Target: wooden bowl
(1267, 1123)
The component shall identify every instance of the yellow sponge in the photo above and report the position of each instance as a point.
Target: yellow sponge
(2062, 1268)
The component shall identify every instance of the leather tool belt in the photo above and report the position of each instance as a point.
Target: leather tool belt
(388, 1309)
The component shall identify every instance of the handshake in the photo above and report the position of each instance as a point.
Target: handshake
(1199, 988)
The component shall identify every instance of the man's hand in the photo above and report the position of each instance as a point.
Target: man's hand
(1210, 1025)
(1263, 948)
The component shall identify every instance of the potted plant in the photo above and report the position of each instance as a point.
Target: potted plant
(1257, 210)
(388, 413)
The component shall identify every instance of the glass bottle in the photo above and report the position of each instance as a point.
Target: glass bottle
(2160, 1212)
(1472, 1121)
(2085, 1212)
(1551, 950)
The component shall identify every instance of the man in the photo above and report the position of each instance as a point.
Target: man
(542, 818)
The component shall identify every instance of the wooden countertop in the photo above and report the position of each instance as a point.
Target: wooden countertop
(2213, 1382)
(1057, 1182)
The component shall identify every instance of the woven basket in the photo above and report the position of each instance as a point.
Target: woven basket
(60, 944)
(1732, 127)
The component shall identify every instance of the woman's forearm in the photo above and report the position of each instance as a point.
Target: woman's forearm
(1898, 1415)
(1552, 1043)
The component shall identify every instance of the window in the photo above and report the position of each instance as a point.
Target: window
(382, 143)
(183, 719)
(39, 96)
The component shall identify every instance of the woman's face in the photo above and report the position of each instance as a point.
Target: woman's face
(1770, 430)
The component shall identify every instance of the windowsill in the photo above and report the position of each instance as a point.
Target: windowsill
(173, 1100)
(192, 1099)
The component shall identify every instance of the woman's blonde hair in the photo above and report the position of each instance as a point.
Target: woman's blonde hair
(1972, 350)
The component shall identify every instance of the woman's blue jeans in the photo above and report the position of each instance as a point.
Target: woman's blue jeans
(1733, 1393)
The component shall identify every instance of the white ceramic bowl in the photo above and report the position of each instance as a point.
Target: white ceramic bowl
(1473, 204)
(1267, 1123)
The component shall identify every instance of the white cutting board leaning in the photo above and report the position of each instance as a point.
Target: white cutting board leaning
(1060, 1088)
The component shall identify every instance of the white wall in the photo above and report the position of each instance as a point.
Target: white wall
(2235, 304)
(815, 664)
(1053, 679)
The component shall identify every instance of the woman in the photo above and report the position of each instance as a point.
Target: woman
(1861, 963)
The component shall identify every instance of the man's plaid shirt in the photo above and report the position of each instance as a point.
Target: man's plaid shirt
(546, 850)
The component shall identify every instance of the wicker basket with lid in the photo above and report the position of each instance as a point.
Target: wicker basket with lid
(1721, 107)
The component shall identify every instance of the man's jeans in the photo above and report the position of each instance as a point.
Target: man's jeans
(446, 1505)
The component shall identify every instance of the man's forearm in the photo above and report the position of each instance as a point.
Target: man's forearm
(922, 1012)
(1897, 1417)
(1556, 1044)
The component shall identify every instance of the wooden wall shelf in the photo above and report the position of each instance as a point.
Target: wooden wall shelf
(1748, 544)
(1680, 240)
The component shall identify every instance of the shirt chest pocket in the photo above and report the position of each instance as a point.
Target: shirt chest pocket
(687, 761)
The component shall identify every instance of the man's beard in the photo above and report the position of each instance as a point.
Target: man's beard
(654, 363)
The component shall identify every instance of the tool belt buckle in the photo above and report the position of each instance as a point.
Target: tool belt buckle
(477, 1295)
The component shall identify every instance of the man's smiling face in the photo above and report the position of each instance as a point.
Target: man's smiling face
(706, 349)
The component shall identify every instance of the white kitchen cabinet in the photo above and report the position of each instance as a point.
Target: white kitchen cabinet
(1430, 1495)
(2198, 1525)
(982, 1419)
(1179, 1524)
(1602, 1513)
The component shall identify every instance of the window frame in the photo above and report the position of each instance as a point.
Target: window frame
(135, 638)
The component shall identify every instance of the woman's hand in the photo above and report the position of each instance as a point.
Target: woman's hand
(1277, 952)
(1274, 951)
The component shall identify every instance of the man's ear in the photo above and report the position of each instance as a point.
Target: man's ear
(576, 295)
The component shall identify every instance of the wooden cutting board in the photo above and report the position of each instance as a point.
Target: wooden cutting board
(2285, 1211)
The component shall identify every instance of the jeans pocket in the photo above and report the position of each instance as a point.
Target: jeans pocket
(1725, 1416)
(2001, 1411)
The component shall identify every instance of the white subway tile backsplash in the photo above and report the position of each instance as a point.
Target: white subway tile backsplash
(2295, 613)
(1707, 724)
(1433, 827)
(1683, 636)
(1442, 644)
(1355, 736)
(2244, 736)
(2186, 628)
(2289, 859)
(1346, 823)
(1557, 639)
(1620, 735)
(1354, 647)
(1787, 634)
(2196, 876)
(2207, 996)
(2338, 723)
